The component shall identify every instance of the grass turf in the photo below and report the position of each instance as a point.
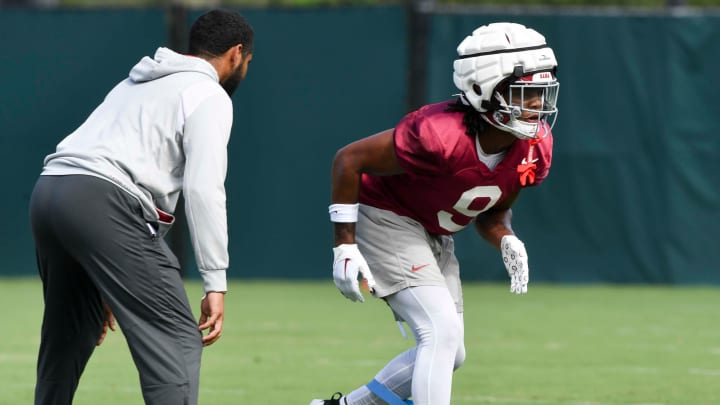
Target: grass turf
(288, 342)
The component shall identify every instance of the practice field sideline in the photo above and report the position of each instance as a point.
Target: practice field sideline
(287, 342)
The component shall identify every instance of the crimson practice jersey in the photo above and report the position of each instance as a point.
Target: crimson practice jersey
(445, 185)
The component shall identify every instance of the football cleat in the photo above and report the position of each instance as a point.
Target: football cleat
(334, 400)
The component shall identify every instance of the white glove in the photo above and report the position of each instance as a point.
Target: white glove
(348, 262)
(516, 262)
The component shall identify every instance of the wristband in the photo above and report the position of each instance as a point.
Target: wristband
(344, 212)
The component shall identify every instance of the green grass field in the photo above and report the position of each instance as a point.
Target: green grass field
(287, 342)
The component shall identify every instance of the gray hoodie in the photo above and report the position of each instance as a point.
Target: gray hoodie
(163, 130)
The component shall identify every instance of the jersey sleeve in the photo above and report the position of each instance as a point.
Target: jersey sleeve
(418, 147)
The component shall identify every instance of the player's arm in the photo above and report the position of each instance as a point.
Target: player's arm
(496, 222)
(373, 155)
(376, 155)
(494, 225)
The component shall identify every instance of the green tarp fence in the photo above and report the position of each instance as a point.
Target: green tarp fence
(633, 194)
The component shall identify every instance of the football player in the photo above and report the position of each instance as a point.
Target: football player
(398, 197)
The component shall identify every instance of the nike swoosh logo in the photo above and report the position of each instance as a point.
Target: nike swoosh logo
(416, 268)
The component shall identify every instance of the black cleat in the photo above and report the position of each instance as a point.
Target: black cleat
(334, 400)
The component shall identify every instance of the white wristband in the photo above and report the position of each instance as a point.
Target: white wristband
(344, 212)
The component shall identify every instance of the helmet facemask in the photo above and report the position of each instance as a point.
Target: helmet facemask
(525, 105)
(499, 69)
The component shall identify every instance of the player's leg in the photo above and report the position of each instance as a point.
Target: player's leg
(420, 260)
(139, 278)
(438, 331)
(450, 268)
(425, 371)
(401, 254)
(72, 318)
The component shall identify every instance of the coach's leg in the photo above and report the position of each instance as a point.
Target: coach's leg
(73, 316)
(149, 302)
(163, 336)
(72, 322)
(143, 287)
(140, 281)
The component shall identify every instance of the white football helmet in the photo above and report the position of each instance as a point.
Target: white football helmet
(506, 71)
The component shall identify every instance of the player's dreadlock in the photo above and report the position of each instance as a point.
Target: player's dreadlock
(474, 125)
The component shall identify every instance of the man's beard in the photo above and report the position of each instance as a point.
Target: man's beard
(232, 82)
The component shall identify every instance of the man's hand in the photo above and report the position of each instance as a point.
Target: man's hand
(108, 322)
(516, 262)
(347, 263)
(212, 308)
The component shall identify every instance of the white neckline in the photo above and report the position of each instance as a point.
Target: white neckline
(491, 160)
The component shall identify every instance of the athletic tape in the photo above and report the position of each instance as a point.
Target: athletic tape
(385, 394)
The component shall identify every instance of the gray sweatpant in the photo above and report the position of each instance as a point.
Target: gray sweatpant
(93, 245)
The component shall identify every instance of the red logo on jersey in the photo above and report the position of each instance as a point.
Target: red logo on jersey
(527, 171)
(416, 268)
(527, 167)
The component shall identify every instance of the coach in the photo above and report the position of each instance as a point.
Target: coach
(105, 199)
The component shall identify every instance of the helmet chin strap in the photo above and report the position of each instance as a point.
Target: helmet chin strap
(496, 118)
